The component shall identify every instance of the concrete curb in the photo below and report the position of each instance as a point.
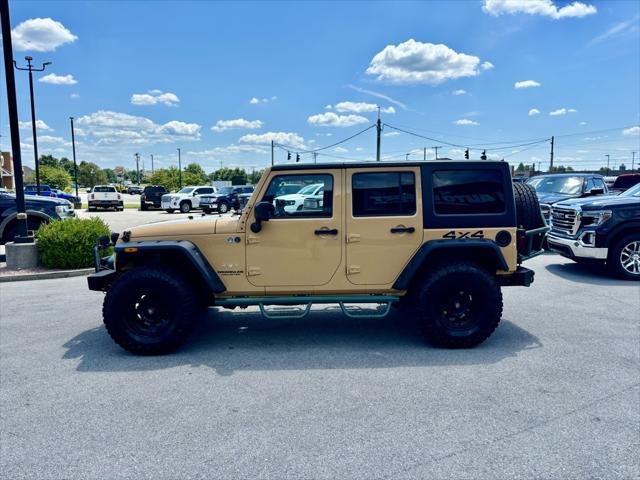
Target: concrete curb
(46, 275)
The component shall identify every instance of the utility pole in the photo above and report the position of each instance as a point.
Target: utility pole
(30, 68)
(7, 51)
(75, 165)
(406, 157)
(152, 164)
(608, 158)
(424, 154)
(551, 154)
(315, 157)
(378, 134)
(633, 160)
(137, 155)
(179, 169)
(272, 153)
(436, 149)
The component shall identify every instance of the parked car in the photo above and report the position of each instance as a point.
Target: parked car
(294, 202)
(152, 196)
(45, 190)
(225, 199)
(77, 202)
(624, 182)
(557, 187)
(134, 190)
(186, 199)
(39, 210)
(105, 196)
(600, 230)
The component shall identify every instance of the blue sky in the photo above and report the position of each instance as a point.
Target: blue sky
(220, 80)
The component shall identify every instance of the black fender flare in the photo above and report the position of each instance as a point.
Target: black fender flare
(30, 213)
(431, 247)
(186, 250)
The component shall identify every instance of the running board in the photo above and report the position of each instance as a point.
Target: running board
(308, 300)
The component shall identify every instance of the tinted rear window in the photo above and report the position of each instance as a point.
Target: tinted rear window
(155, 189)
(104, 189)
(463, 192)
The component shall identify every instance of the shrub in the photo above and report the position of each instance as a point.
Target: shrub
(69, 243)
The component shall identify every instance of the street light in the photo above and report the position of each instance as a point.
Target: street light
(179, 169)
(30, 68)
(73, 146)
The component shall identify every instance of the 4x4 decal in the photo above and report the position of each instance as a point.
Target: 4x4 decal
(453, 235)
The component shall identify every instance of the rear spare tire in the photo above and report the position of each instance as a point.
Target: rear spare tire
(528, 216)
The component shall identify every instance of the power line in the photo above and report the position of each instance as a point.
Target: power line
(290, 148)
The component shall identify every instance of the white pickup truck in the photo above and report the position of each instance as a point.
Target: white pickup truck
(105, 196)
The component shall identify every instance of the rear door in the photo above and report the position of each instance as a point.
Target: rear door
(384, 222)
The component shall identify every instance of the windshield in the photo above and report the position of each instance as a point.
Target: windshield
(308, 190)
(632, 192)
(563, 185)
(187, 190)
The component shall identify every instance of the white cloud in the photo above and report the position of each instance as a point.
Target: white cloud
(73, 96)
(330, 119)
(545, 8)
(58, 79)
(50, 139)
(379, 95)
(391, 134)
(290, 139)
(176, 127)
(40, 125)
(340, 150)
(465, 121)
(632, 131)
(222, 125)
(526, 84)
(361, 107)
(328, 107)
(582, 123)
(459, 92)
(562, 111)
(256, 100)
(417, 62)
(359, 149)
(154, 97)
(486, 66)
(534, 111)
(40, 35)
(619, 29)
(229, 150)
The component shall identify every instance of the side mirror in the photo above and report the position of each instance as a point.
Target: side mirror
(596, 191)
(263, 212)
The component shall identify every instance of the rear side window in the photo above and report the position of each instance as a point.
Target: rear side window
(104, 189)
(154, 189)
(464, 192)
(383, 194)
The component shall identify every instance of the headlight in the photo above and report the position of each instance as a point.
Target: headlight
(62, 209)
(595, 217)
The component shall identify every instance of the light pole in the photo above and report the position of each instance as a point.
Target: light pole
(30, 68)
(137, 155)
(152, 164)
(179, 169)
(75, 165)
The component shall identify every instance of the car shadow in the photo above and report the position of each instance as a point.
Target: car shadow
(227, 342)
(596, 274)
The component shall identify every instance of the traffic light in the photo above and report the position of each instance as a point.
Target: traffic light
(297, 157)
(288, 155)
(466, 154)
(484, 155)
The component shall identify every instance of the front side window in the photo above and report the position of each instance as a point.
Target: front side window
(204, 191)
(464, 192)
(383, 194)
(186, 190)
(306, 196)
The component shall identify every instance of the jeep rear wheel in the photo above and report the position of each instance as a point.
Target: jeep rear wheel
(185, 207)
(458, 305)
(624, 257)
(150, 310)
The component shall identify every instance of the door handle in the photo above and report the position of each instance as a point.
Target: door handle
(326, 232)
(403, 230)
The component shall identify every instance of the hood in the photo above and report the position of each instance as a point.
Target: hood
(192, 225)
(600, 202)
(43, 201)
(290, 196)
(550, 198)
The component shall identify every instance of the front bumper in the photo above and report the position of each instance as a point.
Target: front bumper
(575, 248)
(106, 203)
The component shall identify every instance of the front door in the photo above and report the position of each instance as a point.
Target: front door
(384, 222)
(301, 245)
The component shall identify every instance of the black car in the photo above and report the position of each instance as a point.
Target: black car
(133, 190)
(152, 196)
(225, 199)
(557, 187)
(600, 230)
(39, 210)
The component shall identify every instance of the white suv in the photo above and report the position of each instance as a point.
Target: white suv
(186, 199)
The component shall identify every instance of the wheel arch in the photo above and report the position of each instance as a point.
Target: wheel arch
(12, 218)
(481, 252)
(621, 231)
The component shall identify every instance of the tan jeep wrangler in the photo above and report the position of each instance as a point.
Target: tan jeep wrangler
(437, 238)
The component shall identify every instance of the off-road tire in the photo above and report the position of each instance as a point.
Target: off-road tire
(91, 209)
(143, 207)
(169, 210)
(185, 207)
(444, 289)
(614, 261)
(223, 207)
(528, 214)
(131, 323)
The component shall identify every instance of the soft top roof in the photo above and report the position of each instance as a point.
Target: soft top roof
(372, 164)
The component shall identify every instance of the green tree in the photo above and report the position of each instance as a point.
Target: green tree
(622, 167)
(237, 176)
(49, 161)
(193, 174)
(168, 177)
(110, 174)
(90, 174)
(561, 169)
(254, 177)
(55, 177)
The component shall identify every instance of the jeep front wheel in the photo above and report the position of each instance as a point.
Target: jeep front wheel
(458, 305)
(185, 207)
(150, 310)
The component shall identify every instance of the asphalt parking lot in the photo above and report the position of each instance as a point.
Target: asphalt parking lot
(554, 393)
(130, 217)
